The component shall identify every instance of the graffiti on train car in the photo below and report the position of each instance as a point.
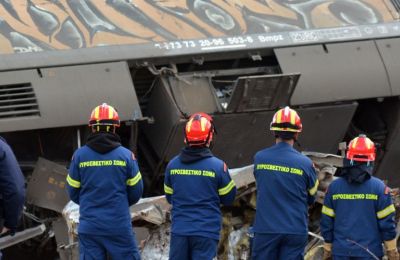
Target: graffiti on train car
(41, 25)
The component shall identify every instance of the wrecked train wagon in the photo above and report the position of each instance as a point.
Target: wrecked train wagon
(336, 62)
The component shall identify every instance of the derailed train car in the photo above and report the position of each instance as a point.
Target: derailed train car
(336, 62)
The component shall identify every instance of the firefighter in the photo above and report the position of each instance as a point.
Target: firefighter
(196, 182)
(104, 179)
(12, 190)
(286, 184)
(358, 212)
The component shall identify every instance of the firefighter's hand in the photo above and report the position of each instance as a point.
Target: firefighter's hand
(391, 250)
(4, 230)
(392, 254)
(327, 251)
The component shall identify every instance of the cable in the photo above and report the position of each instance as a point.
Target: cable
(366, 249)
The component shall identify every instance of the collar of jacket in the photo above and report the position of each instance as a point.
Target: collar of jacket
(103, 142)
(190, 154)
(356, 172)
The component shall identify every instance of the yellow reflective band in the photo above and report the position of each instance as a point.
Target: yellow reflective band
(97, 113)
(203, 123)
(225, 190)
(189, 125)
(279, 116)
(369, 143)
(73, 183)
(328, 211)
(110, 113)
(168, 190)
(314, 189)
(285, 129)
(355, 142)
(386, 212)
(133, 181)
(293, 118)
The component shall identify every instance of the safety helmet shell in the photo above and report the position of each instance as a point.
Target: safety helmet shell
(286, 119)
(361, 149)
(104, 115)
(199, 130)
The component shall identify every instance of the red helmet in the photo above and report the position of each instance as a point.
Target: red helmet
(286, 119)
(361, 149)
(199, 130)
(104, 115)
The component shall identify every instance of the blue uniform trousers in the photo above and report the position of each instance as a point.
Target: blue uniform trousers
(339, 257)
(278, 246)
(97, 247)
(192, 248)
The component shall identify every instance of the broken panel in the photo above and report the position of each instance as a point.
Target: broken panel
(241, 135)
(336, 72)
(266, 92)
(171, 100)
(47, 186)
(389, 50)
(64, 96)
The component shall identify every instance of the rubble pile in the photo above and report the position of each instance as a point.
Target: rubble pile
(153, 214)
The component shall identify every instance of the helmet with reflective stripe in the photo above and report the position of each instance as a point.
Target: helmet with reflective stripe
(199, 130)
(286, 119)
(104, 115)
(361, 149)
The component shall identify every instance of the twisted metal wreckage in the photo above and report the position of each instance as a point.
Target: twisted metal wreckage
(151, 216)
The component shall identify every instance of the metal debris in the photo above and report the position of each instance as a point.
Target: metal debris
(46, 187)
(21, 236)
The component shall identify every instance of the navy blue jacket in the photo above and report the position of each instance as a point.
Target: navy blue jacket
(286, 184)
(104, 179)
(12, 187)
(195, 184)
(358, 213)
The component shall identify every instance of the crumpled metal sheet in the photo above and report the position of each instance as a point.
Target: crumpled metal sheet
(71, 216)
(152, 210)
(325, 158)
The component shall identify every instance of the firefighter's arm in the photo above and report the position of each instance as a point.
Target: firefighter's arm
(385, 215)
(328, 218)
(168, 185)
(312, 185)
(74, 180)
(12, 189)
(134, 182)
(226, 187)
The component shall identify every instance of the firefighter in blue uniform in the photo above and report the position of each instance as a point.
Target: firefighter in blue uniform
(12, 190)
(286, 184)
(358, 213)
(104, 179)
(196, 182)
